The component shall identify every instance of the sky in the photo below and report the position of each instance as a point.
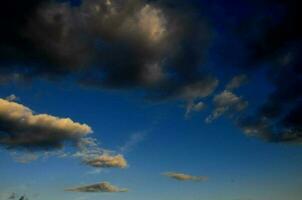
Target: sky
(150, 99)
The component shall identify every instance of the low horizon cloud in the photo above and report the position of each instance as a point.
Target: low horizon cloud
(99, 187)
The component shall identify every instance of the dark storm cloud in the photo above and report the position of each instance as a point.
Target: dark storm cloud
(277, 46)
(160, 46)
(154, 45)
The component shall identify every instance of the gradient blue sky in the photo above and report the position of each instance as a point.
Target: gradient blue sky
(238, 167)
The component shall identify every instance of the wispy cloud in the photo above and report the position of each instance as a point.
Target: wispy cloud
(93, 155)
(12, 97)
(194, 107)
(236, 82)
(185, 177)
(226, 102)
(24, 158)
(133, 140)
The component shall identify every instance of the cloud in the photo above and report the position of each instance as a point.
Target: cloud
(107, 161)
(12, 97)
(25, 157)
(160, 47)
(236, 82)
(185, 177)
(157, 46)
(226, 102)
(194, 107)
(100, 187)
(132, 141)
(276, 50)
(279, 118)
(21, 128)
(91, 154)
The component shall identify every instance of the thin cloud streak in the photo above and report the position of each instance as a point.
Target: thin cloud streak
(184, 177)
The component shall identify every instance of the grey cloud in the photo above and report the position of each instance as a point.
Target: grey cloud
(185, 177)
(226, 102)
(278, 119)
(99, 187)
(194, 107)
(236, 82)
(21, 128)
(111, 44)
(264, 129)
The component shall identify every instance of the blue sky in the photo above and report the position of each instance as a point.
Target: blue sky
(238, 167)
(207, 90)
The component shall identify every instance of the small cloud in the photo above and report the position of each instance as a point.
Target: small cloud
(226, 102)
(236, 82)
(198, 89)
(12, 97)
(25, 158)
(99, 187)
(107, 161)
(194, 107)
(95, 171)
(185, 177)
(91, 154)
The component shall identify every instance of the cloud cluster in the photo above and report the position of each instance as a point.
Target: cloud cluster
(99, 187)
(159, 46)
(185, 177)
(91, 154)
(39, 135)
(154, 45)
(21, 128)
(278, 45)
(227, 102)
